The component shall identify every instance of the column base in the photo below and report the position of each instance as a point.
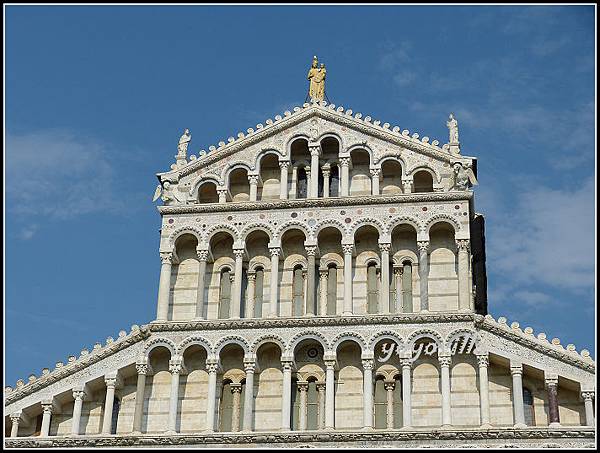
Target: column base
(446, 426)
(367, 428)
(555, 425)
(520, 425)
(347, 313)
(486, 426)
(170, 432)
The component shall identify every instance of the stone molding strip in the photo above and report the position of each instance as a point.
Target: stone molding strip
(316, 202)
(482, 436)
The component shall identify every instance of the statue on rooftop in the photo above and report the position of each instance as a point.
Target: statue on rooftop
(316, 76)
(184, 142)
(462, 176)
(453, 129)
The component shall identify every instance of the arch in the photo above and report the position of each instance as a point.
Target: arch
(362, 147)
(334, 135)
(250, 228)
(434, 173)
(349, 336)
(441, 218)
(267, 338)
(307, 335)
(291, 140)
(259, 262)
(392, 155)
(329, 223)
(194, 340)
(290, 225)
(423, 333)
(231, 339)
(403, 220)
(367, 221)
(234, 166)
(331, 258)
(266, 152)
(385, 335)
(221, 228)
(204, 179)
(186, 229)
(455, 333)
(400, 259)
(158, 342)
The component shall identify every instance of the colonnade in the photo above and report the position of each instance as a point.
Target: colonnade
(326, 398)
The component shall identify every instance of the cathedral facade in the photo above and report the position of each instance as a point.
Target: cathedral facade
(322, 283)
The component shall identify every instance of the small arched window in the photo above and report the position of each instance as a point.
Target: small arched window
(334, 184)
(298, 291)
(423, 181)
(372, 290)
(407, 296)
(332, 289)
(302, 186)
(259, 292)
(528, 407)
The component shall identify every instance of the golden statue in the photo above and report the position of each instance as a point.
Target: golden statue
(316, 76)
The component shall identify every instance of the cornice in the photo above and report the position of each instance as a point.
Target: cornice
(338, 437)
(316, 202)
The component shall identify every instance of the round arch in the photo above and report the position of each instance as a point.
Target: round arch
(231, 339)
(307, 335)
(194, 341)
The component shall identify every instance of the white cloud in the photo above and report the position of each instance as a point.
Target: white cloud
(28, 232)
(546, 238)
(58, 175)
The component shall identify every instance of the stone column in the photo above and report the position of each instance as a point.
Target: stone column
(398, 282)
(286, 402)
(375, 181)
(326, 172)
(516, 370)
(303, 390)
(424, 273)
(367, 393)
(345, 176)
(47, 407)
(175, 369)
(111, 381)
(484, 392)
(274, 280)
(324, 277)
(236, 300)
(253, 180)
(308, 182)
(283, 180)
(311, 279)
(445, 361)
(212, 367)
(294, 185)
(222, 195)
(407, 185)
(347, 248)
(384, 248)
(552, 389)
(202, 258)
(321, 393)
(249, 367)
(79, 395)
(315, 150)
(164, 286)
(236, 391)
(389, 412)
(464, 290)
(15, 419)
(588, 399)
(406, 392)
(330, 394)
(250, 297)
(142, 369)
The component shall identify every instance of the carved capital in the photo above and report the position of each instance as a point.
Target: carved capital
(239, 253)
(15, 418)
(253, 180)
(79, 394)
(321, 386)
(324, 273)
(287, 365)
(463, 245)
(284, 165)
(166, 258)
(389, 385)
(249, 366)
(588, 396)
(141, 368)
(405, 362)
(423, 246)
(202, 255)
(516, 369)
(551, 380)
(311, 250)
(444, 360)
(303, 386)
(347, 248)
(329, 364)
(315, 150)
(483, 360)
(251, 275)
(344, 161)
(275, 251)
(47, 408)
(212, 367)
(235, 387)
(367, 364)
(375, 172)
(385, 247)
(175, 366)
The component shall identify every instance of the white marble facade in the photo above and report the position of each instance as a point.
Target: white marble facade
(294, 257)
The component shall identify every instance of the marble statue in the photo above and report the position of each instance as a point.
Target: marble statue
(453, 128)
(463, 177)
(184, 142)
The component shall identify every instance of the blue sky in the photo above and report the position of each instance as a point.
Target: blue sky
(97, 97)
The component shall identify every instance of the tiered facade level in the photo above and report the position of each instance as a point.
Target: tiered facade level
(322, 283)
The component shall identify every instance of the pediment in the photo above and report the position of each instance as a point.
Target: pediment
(314, 122)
